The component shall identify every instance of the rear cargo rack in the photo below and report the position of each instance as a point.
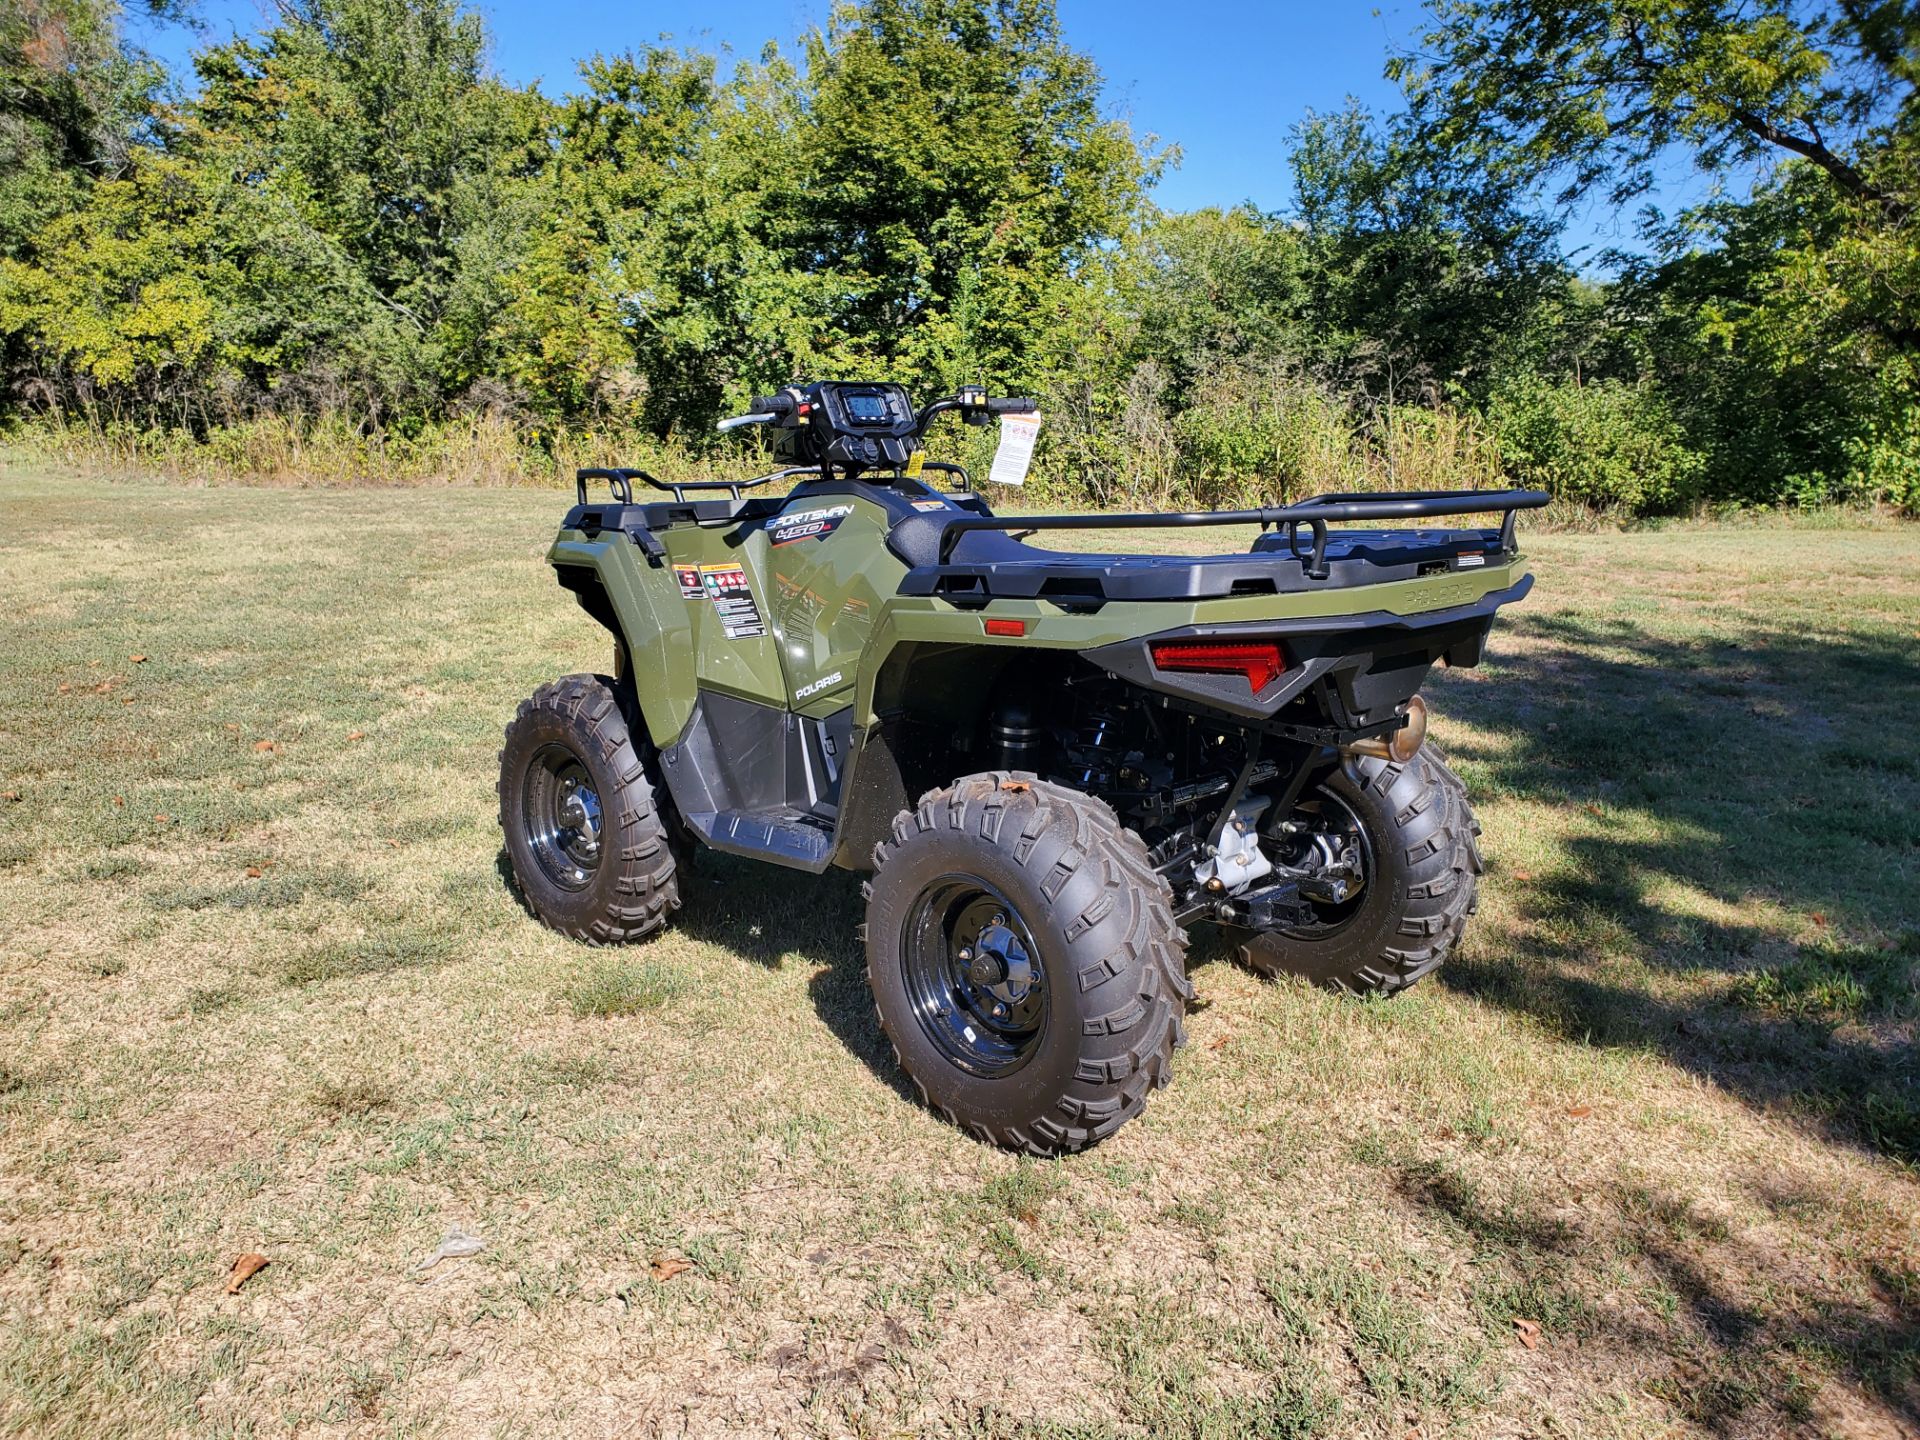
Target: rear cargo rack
(1314, 514)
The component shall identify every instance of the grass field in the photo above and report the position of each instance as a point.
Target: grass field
(263, 988)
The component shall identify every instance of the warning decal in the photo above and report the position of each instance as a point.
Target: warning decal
(733, 602)
(689, 578)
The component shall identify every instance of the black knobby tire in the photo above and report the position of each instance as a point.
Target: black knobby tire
(575, 725)
(1423, 875)
(1080, 889)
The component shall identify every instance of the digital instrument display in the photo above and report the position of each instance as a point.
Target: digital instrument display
(867, 409)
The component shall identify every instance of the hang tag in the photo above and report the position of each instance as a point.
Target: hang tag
(914, 462)
(1015, 452)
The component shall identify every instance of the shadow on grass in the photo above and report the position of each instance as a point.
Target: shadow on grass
(777, 917)
(1728, 797)
(1732, 1361)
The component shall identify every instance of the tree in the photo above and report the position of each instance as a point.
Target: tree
(1592, 93)
(958, 177)
(75, 102)
(382, 152)
(1425, 275)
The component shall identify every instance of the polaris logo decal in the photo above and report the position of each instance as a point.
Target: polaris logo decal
(825, 682)
(807, 524)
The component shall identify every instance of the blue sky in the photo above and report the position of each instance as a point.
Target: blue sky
(1222, 79)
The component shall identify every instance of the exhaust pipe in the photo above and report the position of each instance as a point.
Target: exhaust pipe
(1402, 744)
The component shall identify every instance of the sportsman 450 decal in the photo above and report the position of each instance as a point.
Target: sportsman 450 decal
(806, 524)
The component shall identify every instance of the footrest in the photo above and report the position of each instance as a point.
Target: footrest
(794, 838)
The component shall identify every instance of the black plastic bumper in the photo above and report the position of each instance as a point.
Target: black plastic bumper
(1374, 659)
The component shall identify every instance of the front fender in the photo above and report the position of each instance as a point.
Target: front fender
(640, 603)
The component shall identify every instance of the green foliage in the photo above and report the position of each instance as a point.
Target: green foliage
(1884, 464)
(1606, 444)
(1591, 93)
(352, 248)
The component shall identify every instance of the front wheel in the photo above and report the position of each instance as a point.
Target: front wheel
(590, 848)
(1412, 834)
(1025, 962)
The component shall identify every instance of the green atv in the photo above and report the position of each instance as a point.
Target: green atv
(1051, 762)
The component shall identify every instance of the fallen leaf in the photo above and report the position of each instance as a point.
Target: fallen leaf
(1523, 874)
(120, 801)
(65, 687)
(253, 872)
(1819, 919)
(138, 659)
(1593, 809)
(231, 726)
(1579, 1112)
(9, 794)
(394, 844)
(1527, 1332)
(358, 735)
(244, 1269)
(1219, 1041)
(1018, 787)
(161, 818)
(262, 746)
(665, 1266)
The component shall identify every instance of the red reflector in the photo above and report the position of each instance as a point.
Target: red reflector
(1006, 627)
(1258, 660)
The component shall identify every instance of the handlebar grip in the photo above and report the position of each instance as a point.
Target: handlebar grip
(771, 404)
(1013, 405)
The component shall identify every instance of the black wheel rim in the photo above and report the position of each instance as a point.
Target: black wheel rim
(561, 811)
(1331, 821)
(973, 976)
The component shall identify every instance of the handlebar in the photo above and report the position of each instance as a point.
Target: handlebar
(1013, 405)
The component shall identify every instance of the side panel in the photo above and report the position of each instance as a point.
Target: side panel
(831, 573)
(718, 575)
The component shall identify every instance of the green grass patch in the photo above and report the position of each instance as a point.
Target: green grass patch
(340, 959)
(610, 986)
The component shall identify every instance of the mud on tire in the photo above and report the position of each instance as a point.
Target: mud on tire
(633, 885)
(1426, 868)
(1101, 925)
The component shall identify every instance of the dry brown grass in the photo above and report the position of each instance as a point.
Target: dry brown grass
(1663, 1105)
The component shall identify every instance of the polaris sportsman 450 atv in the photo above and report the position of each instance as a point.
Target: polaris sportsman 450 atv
(1051, 762)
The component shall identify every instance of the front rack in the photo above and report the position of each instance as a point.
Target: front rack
(620, 481)
(1313, 513)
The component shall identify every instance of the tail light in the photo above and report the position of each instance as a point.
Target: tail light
(1259, 660)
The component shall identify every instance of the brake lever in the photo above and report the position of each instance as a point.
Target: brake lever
(736, 421)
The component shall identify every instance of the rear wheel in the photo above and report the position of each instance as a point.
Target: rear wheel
(1025, 962)
(1408, 832)
(590, 848)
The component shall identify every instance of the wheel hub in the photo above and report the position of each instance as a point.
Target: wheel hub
(580, 813)
(971, 966)
(563, 817)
